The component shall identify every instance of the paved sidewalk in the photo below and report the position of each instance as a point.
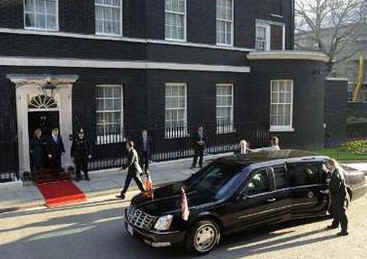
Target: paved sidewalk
(103, 183)
(108, 183)
(362, 166)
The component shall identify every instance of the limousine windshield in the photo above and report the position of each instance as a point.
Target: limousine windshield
(216, 178)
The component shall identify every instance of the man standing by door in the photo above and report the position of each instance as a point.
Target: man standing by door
(339, 198)
(199, 141)
(80, 151)
(55, 148)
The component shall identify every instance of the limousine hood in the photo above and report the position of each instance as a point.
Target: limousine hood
(167, 200)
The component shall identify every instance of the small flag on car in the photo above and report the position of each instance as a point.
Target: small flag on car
(184, 206)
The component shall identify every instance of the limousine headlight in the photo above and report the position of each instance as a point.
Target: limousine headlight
(164, 223)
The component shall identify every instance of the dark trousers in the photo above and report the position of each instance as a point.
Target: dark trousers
(137, 179)
(81, 164)
(199, 153)
(339, 215)
(145, 161)
(55, 163)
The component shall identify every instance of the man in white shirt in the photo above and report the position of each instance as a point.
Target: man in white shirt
(274, 146)
(243, 150)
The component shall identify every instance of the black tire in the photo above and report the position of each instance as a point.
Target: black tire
(208, 229)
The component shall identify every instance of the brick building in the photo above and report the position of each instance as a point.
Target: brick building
(119, 66)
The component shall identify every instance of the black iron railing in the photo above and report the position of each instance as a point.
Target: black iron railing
(174, 142)
(9, 161)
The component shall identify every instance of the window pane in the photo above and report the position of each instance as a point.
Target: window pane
(175, 19)
(40, 14)
(117, 104)
(304, 174)
(109, 112)
(281, 103)
(30, 20)
(175, 110)
(100, 104)
(108, 92)
(259, 183)
(108, 16)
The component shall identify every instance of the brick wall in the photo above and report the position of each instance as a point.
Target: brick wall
(308, 100)
(335, 110)
(146, 18)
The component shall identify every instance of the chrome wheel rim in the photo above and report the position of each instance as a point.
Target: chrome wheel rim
(205, 238)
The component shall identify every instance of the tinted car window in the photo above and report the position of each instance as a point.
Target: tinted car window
(281, 178)
(304, 174)
(259, 183)
(212, 178)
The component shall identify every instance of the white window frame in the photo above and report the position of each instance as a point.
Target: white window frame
(267, 24)
(121, 20)
(185, 23)
(232, 28)
(220, 128)
(267, 28)
(287, 128)
(39, 28)
(117, 138)
(180, 133)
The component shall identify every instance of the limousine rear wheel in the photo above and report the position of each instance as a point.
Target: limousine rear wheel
(203, 237)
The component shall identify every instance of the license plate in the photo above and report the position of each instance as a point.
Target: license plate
(130, 230)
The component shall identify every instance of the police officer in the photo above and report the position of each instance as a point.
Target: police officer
(80, 151)
(339, 198)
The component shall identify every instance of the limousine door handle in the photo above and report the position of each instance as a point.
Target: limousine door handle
(271, 200)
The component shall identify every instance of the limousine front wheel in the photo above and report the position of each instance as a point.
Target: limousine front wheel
(203, 237)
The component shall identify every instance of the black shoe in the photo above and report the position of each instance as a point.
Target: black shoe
(121, 196)
(201, 166)
(343, 233)
(78, 179)
(87, 178)
(331, 227)
(192, 167)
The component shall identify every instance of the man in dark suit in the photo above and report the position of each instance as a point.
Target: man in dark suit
(145, 149)
(198, 143)
(80, 151)
(55, 148)
(339, 198)
(134, 170)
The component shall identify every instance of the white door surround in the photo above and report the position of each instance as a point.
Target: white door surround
(28, 86)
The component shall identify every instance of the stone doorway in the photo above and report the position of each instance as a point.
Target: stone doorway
(29, 88)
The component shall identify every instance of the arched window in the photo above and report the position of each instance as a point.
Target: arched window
(42, 102)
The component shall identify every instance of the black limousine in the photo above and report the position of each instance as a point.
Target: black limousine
(236, 193)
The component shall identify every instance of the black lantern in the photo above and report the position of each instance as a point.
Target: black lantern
(48, 89)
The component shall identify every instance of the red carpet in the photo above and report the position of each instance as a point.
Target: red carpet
(61, 193)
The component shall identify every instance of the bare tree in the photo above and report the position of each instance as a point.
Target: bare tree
(331, 25)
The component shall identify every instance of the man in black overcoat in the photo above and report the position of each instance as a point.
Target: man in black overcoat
(339, 198)
(145, 148)
(80, 151)
(55, 148)
(198, 143)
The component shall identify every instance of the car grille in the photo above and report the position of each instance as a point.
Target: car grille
(140, 219)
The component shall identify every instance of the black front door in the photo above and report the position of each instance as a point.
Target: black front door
(45, 121)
